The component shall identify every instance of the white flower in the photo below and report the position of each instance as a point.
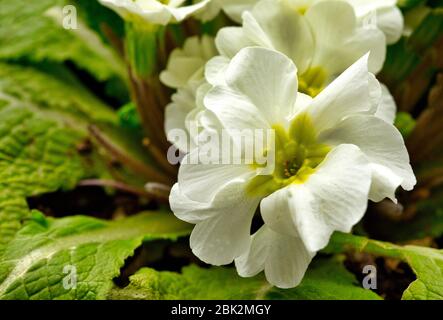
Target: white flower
(185, 72)
(321, 45)
(383, 13)
(332, 154)
(183, 113)
(187, 64)
(155, 12)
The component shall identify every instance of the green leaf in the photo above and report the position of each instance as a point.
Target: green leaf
(426, 263)
(33, 31)
(66, 103)
(405, 123)
(42, 123)
(129, 117)
(36, 263)
(406, 55)
(325, 279)
(408, 4)
(96, 15)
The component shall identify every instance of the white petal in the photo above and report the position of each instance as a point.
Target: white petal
(223, 225)
(391, 22)
(276, 25)
(200, 182)
(334, 198)
(268, 79)
(235, 8)
(184, 12)
(180, 70)
(234, 110)
(340, 42)
(388, 17)
(350, 93)
(384, 183)
(215, 70)
(186, 64)
(387, 108)
(230, 40)
(285, 259)
(383, 145)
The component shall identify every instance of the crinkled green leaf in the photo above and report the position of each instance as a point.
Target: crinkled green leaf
(33, 31)
(66, 103)
(36, 264)
(42, 122)
(325, 279)
(427, 263)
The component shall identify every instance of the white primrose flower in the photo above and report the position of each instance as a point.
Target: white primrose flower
(187, 64)
(155, 12)
(185, 72)
(233, 8)
(330, 155)
(381, 13)
(183, 113)
(321, 45)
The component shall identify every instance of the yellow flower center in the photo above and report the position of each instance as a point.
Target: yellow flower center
(312, 81)
(297, 155)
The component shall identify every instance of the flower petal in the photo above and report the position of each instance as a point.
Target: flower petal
(183, 102)
(334, 198)
(383, 145)
(268, 79)
(230, 40)
(215, 70)
(391, 22)
(181, 13)
(352, 92)
(200, 182)
(340, 42)
(187, 63)
(388, 17)
(387, 108)
(271, 23)
(235, 8)
(223, 225)
(285, 259)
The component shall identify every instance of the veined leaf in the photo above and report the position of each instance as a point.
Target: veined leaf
(427, 263)
(42, 122)
(33, 31)
(68, 104)
(77, 257)
(325, 279)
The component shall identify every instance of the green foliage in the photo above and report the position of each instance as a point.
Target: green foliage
(33, 265)
(129, 117)
(405, 123)
(427, 263)
(98, 16)
(326, 279)
(32, 31)
(404, 56)
(42, 121)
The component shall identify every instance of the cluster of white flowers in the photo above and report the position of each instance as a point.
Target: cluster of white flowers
(306, 70)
